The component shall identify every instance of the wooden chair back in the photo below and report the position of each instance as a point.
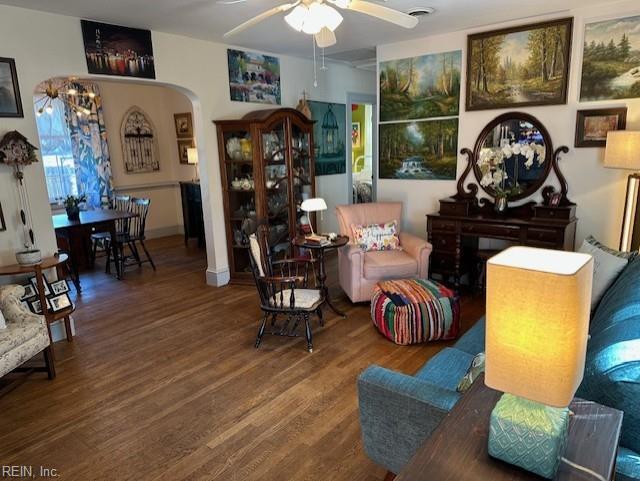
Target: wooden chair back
(122, 203)
(137, 224)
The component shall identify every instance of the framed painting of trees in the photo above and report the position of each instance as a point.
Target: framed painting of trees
(519, 66)
(611, 60)
(420, 87)
(422, 150)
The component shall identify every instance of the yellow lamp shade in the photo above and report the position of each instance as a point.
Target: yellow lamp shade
(623, 150)
(538, 304)
(192, 155)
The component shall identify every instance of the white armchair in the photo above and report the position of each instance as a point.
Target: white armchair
(25, 336)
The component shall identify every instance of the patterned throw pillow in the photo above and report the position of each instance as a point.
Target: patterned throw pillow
(377, 237)
(607, 265)
(475, 369)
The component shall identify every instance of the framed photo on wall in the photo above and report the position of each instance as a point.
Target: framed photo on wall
(183, 146)
(10, 101)
(519, 66)
(3, 226)
(184, 125)
(356, 137)
(592, 125)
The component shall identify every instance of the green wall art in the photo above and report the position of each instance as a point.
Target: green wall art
(611, 60)
(425, 150)
(420, 87)
(329, 137)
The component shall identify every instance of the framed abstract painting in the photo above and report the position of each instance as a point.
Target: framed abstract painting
(592, 125)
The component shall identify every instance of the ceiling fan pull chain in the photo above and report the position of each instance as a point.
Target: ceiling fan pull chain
(315, 72)
(324, 67)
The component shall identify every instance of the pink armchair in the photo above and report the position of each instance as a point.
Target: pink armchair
(359, 271)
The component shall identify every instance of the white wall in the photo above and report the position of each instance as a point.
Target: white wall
(598, 192)
(159, 103)
(46, 45)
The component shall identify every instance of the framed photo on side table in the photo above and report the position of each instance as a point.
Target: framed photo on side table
(592, 125)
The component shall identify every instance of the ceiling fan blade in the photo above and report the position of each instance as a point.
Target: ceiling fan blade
(259, 18)
(229, 2)
(383, 13)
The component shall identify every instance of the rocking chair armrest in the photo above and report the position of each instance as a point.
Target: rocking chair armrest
(283, 280)
(293, 260)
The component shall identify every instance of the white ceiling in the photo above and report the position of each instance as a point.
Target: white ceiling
(204, 19)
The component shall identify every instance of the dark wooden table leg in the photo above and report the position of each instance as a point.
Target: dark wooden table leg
(114, 249)
(322, 277)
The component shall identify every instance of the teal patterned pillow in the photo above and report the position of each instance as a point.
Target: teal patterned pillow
(475, 369)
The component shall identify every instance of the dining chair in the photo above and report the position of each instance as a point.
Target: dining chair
(100, 240)
(134, 234)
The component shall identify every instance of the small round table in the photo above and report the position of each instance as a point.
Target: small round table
(339, 241)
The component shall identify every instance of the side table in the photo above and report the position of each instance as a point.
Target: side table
(339, 241)
(46, 263)
(457, 449)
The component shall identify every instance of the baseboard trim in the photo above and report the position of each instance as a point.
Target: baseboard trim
(218, 278)
(164, 231)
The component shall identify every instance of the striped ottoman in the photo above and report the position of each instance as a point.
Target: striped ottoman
(409, 311)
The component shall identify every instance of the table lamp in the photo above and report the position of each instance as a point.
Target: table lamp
(313, 205)
(192, 159)
(538, 304)
(623, 152)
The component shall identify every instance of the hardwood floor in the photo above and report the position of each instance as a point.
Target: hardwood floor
(162, 382)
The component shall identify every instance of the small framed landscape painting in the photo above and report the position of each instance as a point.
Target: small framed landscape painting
(592, 125)
(10, 101)
(519, 66)
(116, 50)
(611, 60)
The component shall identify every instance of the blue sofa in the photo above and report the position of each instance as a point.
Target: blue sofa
(398, 412)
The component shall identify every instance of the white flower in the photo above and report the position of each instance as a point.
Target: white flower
(515, 148)
(529, 163)
(507, 152)
(499, 176)
(486, 180)
(526, 150)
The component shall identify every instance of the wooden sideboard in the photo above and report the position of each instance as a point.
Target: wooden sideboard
(455, 236)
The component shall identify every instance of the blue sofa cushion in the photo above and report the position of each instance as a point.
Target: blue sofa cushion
(472, 342)
(612, 367)
(627, 465)
(446, 368)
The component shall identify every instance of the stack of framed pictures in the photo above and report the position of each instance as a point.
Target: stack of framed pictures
(56, 294)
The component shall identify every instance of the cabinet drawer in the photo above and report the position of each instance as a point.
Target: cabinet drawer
(442, 262)
(443, 225)
(489, 230)
(550, 236)
(443, 242)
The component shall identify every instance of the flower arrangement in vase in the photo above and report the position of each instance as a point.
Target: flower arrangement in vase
(16, 151)
(492, 162)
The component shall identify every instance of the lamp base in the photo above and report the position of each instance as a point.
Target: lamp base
(528, 434)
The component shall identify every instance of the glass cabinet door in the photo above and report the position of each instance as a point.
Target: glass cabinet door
(301, 170)
(240, 188)
(278, 203)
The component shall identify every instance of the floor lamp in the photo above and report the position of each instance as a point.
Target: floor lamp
(623, 152)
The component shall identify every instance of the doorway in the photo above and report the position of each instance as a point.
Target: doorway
(361, 150)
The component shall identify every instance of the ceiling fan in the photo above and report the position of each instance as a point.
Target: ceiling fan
(317, 18)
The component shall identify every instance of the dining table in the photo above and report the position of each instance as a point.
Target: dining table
(77, 234)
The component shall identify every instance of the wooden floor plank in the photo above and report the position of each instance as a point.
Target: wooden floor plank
(162, 382)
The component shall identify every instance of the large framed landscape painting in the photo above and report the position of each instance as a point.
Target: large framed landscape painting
(116, 50)
(611, 60)
(424, 150)
(329, 137)
(253, 77)
(519, 66)
(420, 87)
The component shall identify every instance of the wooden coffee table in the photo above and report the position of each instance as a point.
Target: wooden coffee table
(457, 449)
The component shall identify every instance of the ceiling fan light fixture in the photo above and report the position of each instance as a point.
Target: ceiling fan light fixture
(297, 17)
(325, 38)
(330, 17)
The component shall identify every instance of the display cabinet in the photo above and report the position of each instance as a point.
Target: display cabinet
(266, 165)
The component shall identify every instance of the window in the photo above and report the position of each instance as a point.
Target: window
(57, 155)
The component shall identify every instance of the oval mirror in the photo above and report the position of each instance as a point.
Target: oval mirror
(512, 156)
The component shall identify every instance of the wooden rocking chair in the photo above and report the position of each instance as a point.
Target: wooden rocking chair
(282, 285)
